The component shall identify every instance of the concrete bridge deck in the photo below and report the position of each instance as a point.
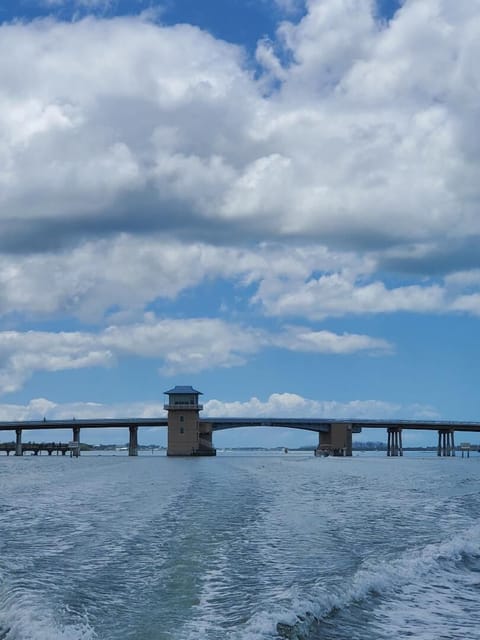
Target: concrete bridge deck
(309, 424)
(324, 424)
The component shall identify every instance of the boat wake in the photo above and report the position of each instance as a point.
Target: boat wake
(424, 577)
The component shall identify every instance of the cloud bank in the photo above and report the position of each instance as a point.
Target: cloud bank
(334, 175)
(180, 346)
(109, 125)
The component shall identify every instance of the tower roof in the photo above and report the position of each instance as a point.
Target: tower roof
(182, 390)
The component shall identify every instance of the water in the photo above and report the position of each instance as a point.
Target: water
(239, 548)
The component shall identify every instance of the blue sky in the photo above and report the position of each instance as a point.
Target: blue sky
(274, 201)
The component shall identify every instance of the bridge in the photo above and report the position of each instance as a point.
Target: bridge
(190, 434)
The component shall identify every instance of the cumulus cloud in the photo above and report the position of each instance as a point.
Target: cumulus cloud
(292, 405)
(138, 161)
(288, 405)
(338, 294)
(344, 292)
(463, 279)
(367, 141)
(306, 340)
(39, 408)
(180, 345)
(365, 144)
(127, 272)
(22, 354)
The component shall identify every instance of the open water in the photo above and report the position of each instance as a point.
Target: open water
(239, 548)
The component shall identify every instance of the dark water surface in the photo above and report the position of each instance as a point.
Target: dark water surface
(239, 548)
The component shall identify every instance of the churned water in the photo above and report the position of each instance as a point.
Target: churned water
(239, 548)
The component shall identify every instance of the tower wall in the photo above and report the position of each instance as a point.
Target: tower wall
(182, 432)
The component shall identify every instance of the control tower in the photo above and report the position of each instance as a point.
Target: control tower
(184, 430)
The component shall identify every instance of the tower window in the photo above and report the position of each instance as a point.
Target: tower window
(182, 418)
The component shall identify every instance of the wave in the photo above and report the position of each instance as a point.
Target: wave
(376, 581)
(24, 617)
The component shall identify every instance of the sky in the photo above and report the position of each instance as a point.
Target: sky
(275, 201)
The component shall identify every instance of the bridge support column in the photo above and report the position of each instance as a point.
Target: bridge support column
(446, 442)
(18, 443)
(76, 439)
(336, 442)
(133, 443)
(394, 441)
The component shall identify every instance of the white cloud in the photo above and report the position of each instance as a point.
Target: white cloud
(345, 293)
(339, 294)
(304, 339)
(127, 272)
(21, 354)
(180, 345)
(463, 279)
(468, 303)
(138, 160)
(115, 279)
(39, 408)
(287, 405)
(292, 405)
(370, 138)
(186, 345)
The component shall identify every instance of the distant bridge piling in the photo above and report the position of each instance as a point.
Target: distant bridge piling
(465, 448)
(76, 440)
(394, 441)
(446, 442)
(18, 443)
(133, 442)
(337, 441)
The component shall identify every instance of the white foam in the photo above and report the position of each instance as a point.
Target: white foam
(383, 579)
(24, 616)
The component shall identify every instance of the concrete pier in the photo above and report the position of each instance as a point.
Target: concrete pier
(465, 448)
(394, 441)
(76, 440)
(18, 442)
(36, 449)
(446, 442)
(133, 442)
(337, 441)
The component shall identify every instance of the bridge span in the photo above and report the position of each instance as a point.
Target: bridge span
(192, 435)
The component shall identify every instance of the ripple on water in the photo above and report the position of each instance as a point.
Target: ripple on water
(238, 548)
